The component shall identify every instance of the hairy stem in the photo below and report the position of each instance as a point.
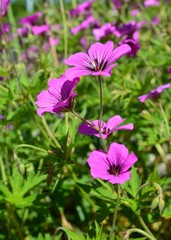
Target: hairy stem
(116, 211)
(132, 230)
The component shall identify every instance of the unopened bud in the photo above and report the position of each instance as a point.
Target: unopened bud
(161, 204)
(155, 203)
(157, 187)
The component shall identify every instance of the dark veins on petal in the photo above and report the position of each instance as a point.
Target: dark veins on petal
(113, 169)
(97, 66)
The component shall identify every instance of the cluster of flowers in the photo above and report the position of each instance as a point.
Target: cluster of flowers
(30, 25)
(125, 32)
(112, 165)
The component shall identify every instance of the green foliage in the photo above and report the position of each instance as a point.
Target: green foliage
(46, 188)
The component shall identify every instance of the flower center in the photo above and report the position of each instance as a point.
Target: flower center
(98, 66)
(114, 170)
(105, 130)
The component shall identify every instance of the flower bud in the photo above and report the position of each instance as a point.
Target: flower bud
(161, 204)
(155, 203)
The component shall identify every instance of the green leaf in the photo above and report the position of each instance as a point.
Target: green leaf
(77, 235)
(134, 182)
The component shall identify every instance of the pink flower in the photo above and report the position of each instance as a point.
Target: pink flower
(106, 128)
(30, 20)
(112, 166)
(98, 61)
(105, 30)
(81, 8)
(5, 27)
(38, 30)
(155, 93)
(58, 97)
(149, 3)
(89, 21)
(4, 6)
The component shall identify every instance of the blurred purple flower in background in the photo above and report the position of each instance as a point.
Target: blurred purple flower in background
(106, 128)
(30, 20)
(89, 21)
(112, 166)
(58, 97)
(3, 7)
(155, 93)
(81, 8)
(105, 30)
(98, 61)
(38, 30)
(5, 27)
(149, 3)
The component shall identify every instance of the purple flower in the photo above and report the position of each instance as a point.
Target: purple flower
(112, 166)
(5, 27)
(22, 31)
(169, 70)
(81, 8)
(30, 20)
(155, 21)
(149, 3)
(129, 31)
(98, 61)
(38, 30)
(135, 12)
(106, 129)
(104, 31)
(58, 97)
(4, 6)
(155, 93)
(90, 20)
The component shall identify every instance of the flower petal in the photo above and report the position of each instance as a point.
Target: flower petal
(87, 129)
(119, 52)
(98, 164)
(78, 59)
(100, 52)
(117, 154)
(121, 178)
(128, 126)
(129, 162)
(114, 121)
(74, 72)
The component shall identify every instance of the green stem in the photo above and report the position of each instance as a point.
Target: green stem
(132, 230)
(4, 177)
(14, 25)
(82, 119)
(116, 211)
(65, 28)
(101, 101)
(161, 152)
(30, 146)
(74, 3)
(145, 226)
(49, 132)
(165, 118)
(100, 114)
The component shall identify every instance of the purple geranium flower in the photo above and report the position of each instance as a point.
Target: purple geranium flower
(30, 20)
(58, 97)
(112, 166)
(106, 129)
(98, 61)
(155, 93)
(3, 7)
(81, 8)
